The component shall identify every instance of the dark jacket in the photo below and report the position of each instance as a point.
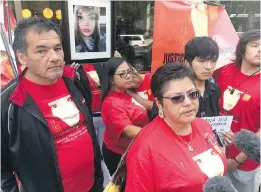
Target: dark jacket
(208, 104)
(27, 144)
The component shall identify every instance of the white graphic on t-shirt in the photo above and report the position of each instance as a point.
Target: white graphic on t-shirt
(230, 99)
(210, 163)
(65, 109)
(144, 95)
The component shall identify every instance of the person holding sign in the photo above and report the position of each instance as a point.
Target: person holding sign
(240, 97)
(176, 151)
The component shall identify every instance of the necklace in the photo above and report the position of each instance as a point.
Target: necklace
(233, 90)
(190, 148)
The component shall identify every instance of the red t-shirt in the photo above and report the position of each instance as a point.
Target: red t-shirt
(72, 140)
(144, 90)
(118, 111)
(244, 104)
(159, 160)
(95, 86)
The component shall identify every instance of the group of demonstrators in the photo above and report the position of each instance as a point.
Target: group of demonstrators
(152, 122)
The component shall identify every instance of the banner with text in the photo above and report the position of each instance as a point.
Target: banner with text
(176, 22)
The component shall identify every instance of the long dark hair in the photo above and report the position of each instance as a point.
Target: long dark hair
(247, 37)
(110, 68)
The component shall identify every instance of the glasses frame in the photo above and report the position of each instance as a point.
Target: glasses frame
(183, 97)
(125, 74)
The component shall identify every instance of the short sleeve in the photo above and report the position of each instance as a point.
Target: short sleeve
(115, 118)
(139, 173)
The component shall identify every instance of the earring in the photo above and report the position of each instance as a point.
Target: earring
(161, 113)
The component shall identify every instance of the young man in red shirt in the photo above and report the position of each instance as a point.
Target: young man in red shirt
(48, 138)
(240, 97)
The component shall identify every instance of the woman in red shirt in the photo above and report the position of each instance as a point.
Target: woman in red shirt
(176, 151)
(123, 118)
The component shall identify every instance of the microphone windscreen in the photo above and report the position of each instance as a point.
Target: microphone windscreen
(218, 184)
(249, 143)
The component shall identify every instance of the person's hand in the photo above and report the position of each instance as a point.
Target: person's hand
(117, 54)
(75, 65)
(231, 165)
(130, 92)
(228, 136)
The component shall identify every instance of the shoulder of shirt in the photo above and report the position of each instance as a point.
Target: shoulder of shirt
(112, 101)
(144, 139)
(228, 66)
(202, 124)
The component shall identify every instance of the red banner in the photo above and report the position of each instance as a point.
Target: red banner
(176, 22)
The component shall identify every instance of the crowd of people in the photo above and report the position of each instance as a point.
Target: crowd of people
(154, 131)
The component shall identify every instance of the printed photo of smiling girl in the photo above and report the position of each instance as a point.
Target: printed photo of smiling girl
(88, 36)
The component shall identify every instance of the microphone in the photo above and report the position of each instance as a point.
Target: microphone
(249, 143)
(218, 184)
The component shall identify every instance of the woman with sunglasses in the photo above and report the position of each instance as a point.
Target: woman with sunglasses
(123, 119)
(176, 151)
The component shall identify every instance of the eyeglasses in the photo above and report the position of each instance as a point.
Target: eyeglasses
(177, 99)
(123, 74)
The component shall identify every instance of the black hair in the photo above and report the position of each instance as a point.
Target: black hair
(247, 37)
(168, 72)
(110, 69)
(202, 47)
(37, 24)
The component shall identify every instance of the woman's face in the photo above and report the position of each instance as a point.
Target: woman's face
(122, 78)
(86, 20)
(177, 110)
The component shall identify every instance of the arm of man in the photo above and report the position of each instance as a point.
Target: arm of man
(241, 157)
(147, 104)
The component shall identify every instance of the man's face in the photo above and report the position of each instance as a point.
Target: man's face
(44, 57)
(252, 54)
(203, 68)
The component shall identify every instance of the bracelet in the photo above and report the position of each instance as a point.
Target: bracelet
(237, 161)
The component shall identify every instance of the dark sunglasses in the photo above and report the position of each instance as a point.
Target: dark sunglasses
(123, 74)
(181, 98)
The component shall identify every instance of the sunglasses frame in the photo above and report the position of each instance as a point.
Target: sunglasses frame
(183, 97)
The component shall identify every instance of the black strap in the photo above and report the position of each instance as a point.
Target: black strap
(84, 87)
